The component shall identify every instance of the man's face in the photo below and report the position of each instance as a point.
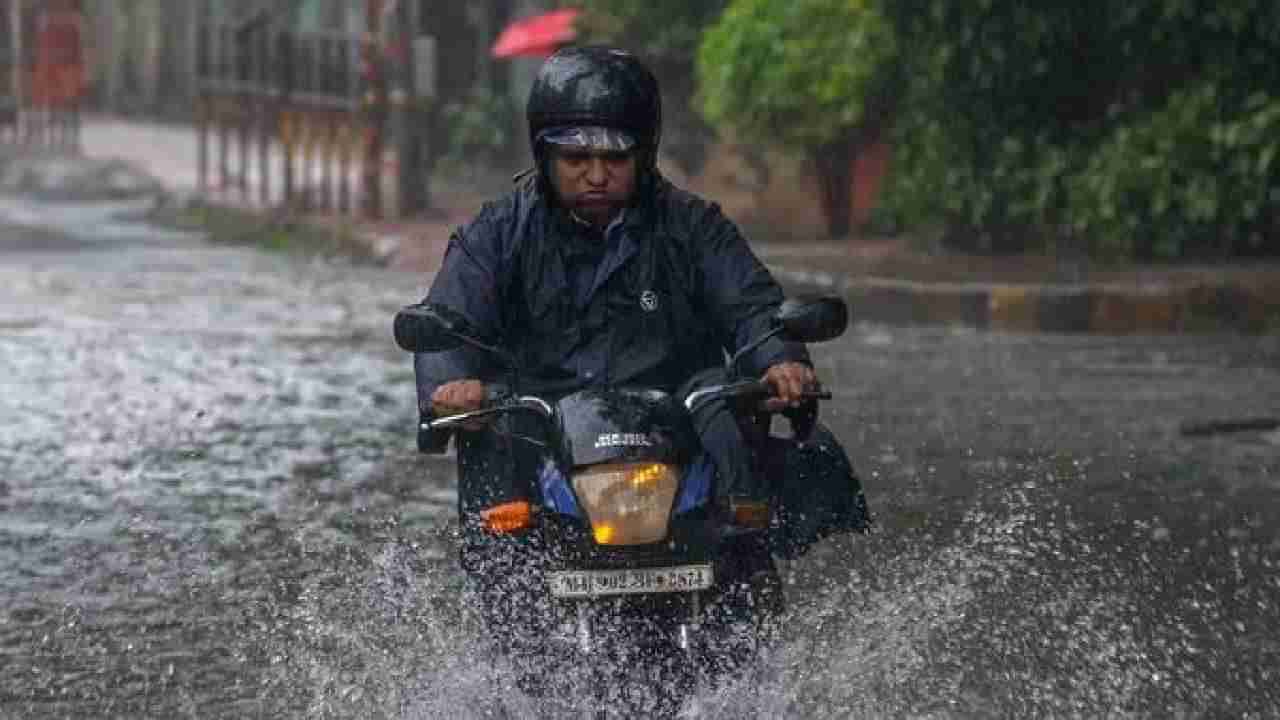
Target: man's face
(593, 184)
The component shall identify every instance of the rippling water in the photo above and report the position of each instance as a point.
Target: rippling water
(210, 507)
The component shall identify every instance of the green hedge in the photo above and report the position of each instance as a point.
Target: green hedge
(1129, 129)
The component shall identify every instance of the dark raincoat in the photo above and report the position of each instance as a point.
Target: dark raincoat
(669, 289)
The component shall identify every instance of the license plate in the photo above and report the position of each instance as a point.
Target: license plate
(595, 583)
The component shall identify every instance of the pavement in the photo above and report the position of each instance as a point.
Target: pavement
(886, 280)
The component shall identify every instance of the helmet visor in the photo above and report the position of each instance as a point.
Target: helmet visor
(589, 137)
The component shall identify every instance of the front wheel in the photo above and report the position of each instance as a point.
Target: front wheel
(743, 615)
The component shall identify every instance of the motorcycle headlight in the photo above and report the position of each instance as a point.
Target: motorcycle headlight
(627, 504)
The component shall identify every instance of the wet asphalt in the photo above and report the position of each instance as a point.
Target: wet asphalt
(210, 506)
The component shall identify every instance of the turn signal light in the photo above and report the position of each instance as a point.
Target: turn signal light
(508, 517)
(604, 533)
(648, 476)
(750, 514)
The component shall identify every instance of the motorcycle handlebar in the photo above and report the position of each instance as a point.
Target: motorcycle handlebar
(500, 400)
(743, 388)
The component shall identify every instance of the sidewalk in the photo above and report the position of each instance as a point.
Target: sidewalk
(171, 154)
(884, 280)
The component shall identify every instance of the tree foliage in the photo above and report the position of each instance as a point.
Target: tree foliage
(1195, 177)
(1128, 128)
(472, 135)
(1142, 129)
(800, 74)
(665, 33)
(810, 75)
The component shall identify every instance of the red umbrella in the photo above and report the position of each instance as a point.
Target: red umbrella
(539, 35)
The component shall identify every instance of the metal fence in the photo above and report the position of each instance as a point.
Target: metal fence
(280, 115)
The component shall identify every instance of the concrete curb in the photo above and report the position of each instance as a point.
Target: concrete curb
(1249, 308)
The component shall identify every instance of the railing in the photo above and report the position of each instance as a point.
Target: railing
(285, 112)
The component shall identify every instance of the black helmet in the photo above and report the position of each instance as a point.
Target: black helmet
(596, 96)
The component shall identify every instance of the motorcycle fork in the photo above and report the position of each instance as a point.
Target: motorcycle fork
(685, 633)
(586, 630)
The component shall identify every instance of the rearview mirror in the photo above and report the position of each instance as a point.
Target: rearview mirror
(813, 319)
(430, 328)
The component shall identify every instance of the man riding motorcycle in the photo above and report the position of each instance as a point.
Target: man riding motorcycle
(619, 519)
(597, 271)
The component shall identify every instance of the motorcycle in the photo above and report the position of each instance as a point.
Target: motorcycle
(596, 555)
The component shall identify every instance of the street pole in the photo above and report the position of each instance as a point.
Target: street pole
(405, 96)
(375, 111)
(15, 23)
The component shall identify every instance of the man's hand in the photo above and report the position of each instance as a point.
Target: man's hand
(457, 397)
(789, 381)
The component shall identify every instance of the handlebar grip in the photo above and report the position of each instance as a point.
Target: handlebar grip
(749, 390)
(764, 388)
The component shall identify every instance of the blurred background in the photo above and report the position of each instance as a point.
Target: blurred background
(1111, 130)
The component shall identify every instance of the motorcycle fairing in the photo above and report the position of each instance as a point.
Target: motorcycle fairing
(695, 488)
(557, 494)
(696, 485)
(615, 425)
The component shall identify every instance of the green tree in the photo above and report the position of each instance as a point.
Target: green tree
(813, 76)
(1129, 128)
(665, 33)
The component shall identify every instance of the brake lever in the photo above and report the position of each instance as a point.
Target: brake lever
(509, 403)
(477, 417)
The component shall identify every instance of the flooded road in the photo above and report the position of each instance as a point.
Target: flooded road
(211, 507)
